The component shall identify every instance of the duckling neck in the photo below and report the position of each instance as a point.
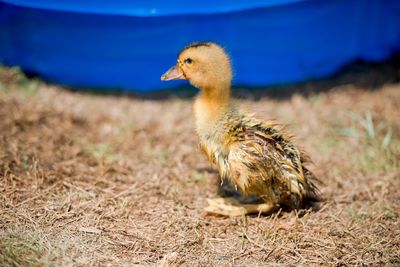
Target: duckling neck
(210, 106)
(219, 95)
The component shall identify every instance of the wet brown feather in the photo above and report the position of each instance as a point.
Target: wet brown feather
(261, 159)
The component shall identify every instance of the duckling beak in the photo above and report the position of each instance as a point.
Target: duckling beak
(173, 73)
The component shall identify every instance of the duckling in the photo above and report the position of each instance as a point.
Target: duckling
(258, 157)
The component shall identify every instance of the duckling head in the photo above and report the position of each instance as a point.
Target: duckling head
(205, 65)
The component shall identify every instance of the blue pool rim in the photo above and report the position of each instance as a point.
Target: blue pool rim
(126, 46)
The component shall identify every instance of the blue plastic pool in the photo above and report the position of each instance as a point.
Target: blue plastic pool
(127, 45)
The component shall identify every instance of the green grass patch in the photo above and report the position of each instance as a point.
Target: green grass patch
(100, 152)
(22, 249)
(378, 147)
(389, 213)
(358, 215)
(151, 151)
(197, 177)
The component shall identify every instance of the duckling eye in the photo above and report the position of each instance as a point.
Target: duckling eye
(188, 60)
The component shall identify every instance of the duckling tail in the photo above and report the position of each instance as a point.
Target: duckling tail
(312, 192)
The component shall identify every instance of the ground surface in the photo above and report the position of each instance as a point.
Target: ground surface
(97, 180)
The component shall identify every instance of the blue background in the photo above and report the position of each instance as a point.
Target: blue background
(127, 45)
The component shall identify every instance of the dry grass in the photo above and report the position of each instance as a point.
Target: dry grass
(94, 180)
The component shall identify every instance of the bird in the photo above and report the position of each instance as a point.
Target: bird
(258, 157)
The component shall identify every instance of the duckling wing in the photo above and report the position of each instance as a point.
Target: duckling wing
(264, 162)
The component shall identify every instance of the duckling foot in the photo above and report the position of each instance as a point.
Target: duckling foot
(232, 207)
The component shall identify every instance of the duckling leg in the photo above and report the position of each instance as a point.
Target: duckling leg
(232, 207)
